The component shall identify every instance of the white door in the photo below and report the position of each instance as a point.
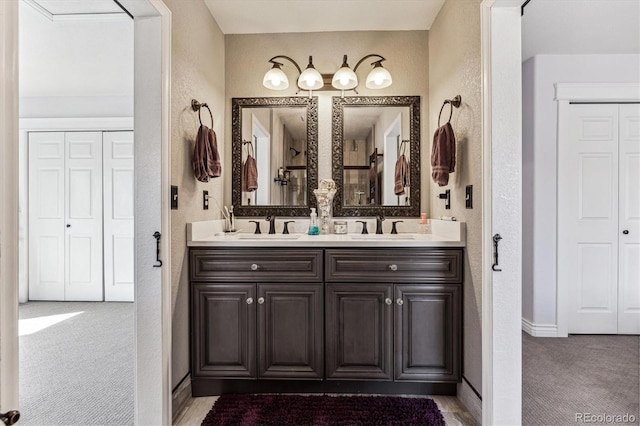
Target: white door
(629, 220)
(83, 251)
(46, 216)
(118, 216)
(598, 220)
(588, 217)
(65, 211)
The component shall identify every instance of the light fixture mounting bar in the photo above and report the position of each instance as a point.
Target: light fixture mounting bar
(273, 61)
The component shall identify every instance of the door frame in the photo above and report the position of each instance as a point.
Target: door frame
(9, 202)
(152, 22)
(565, 93)
(501, 68)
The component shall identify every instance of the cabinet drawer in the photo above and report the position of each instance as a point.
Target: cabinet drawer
(264, 265)
(394, 265)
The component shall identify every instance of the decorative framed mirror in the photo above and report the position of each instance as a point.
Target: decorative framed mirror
(376, 155)
(274, 155)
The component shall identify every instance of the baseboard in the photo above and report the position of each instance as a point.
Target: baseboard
(180, 397)
(471, 400)
(539, 330)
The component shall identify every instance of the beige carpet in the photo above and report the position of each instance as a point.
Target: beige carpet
(582, 374)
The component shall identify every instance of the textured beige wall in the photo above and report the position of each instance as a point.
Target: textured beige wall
(197, 71)
(454, 69)
(407, 61)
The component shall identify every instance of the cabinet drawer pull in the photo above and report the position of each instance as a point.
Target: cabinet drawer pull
(254, 266)
(249, 300)
(400, 302)
(393, 267)
(260, 300)
(388, 301)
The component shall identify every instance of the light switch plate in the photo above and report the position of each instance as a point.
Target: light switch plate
(205, 200)
(174, 197)
(468, 196)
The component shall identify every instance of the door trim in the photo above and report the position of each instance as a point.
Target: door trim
(565, 94)
(501, 69)
(9, 201)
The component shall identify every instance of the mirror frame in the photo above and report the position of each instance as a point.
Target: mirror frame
(311, 103)
(337, 158)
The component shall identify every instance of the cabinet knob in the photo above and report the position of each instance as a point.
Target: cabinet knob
(388, 301)
(254, 266)
(625, 232)
(68, 225)
(393, 267)
(249, 300)
(400, 302)
(260, 300)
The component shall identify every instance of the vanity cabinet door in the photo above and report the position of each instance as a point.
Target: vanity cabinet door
(358, 331)
(290, 331)
(428, 332)
(224, 330)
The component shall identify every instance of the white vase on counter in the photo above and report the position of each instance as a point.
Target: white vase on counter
(324, 196)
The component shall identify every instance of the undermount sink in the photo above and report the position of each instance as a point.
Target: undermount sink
(381, 237)
(268, 236)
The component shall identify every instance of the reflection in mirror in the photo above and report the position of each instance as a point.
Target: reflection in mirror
(274, 155)
(375, 140)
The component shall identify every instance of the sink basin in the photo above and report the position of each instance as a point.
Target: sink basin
(382, 237)
(268, 236)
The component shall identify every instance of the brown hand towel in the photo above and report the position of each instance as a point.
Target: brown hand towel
(443, 154)
(401, 175)
(201, 155)
(214, 164)
(249, 175)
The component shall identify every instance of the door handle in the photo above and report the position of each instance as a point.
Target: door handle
(496, 240)
(157, 236)
(10, 417)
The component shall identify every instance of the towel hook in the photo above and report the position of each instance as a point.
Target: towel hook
(197, 106)
(455, 102)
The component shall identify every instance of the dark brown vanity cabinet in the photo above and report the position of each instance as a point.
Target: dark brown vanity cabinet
(332, 320)
(269, 328)
(393, 314)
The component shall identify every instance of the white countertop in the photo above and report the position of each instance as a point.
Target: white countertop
(210, 234)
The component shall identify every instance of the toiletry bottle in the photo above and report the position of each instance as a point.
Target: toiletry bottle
(313, 225)
(232, 222)
(424, 227)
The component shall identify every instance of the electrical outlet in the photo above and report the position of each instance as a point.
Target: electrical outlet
(468, 197)
(174, 197)
(205, 200)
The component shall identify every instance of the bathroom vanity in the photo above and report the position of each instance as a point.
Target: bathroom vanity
(329, 313)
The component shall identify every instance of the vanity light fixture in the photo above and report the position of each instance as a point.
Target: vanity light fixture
(344, 79)
(276, 79)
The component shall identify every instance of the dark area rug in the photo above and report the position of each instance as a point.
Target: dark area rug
(298, 410)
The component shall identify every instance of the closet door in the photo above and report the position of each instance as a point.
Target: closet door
(46, 216)
(588, 218)
(629, 221)
(118, 216)
(83, 249)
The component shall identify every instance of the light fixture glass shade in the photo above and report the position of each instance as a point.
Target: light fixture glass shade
(344, 79)
(378, 78)
(310, 79)
(275, 79)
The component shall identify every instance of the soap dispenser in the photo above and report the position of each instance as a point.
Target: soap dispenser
(313, 225)
(424, 227)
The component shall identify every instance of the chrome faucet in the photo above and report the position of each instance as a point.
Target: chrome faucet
(272, 224)
(379, 220)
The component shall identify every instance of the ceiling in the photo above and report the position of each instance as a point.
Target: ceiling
(52, 8)
(572, 27)
(291, 16)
